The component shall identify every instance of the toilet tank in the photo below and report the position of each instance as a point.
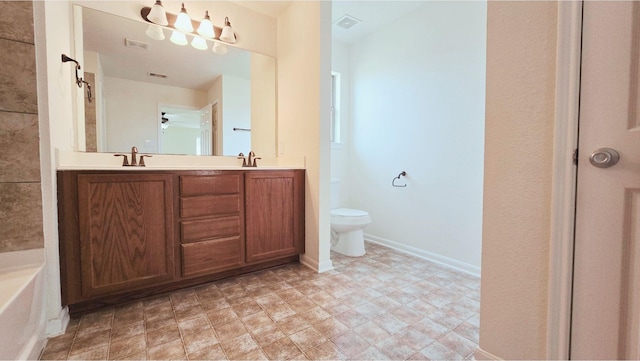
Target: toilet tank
(335, 193)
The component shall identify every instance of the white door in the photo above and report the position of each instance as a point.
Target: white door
(206, 129)
(216, 138)
(606, 294)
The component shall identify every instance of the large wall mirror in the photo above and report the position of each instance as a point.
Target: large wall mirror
(172, 99)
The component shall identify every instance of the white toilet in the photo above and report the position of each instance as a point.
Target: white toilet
(346, 225)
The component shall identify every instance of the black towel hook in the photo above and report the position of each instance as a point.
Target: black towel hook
(79, 80)
(393, 182)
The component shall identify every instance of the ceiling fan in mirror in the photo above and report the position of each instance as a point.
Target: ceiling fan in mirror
(165, 121)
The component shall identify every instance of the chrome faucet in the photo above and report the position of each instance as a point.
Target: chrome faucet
(134, 160)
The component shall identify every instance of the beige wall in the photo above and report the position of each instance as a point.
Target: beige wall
(263, 105)
(521, 54)
(20, 193)
(304, 81)
(57, 97)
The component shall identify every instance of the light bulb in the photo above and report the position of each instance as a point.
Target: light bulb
(206, 27)
(158, 15)
(155, 32)
(227, 33)
(219, 48)
(183, 22)
(199, 43)
(178, 38)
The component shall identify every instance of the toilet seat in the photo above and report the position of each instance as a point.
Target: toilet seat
(348, 212)
(349, 217)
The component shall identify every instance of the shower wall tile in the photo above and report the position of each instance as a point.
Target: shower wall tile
(20, 144)
(20, 188)
(16, 22)
(20, 216)
(18, 91)
(90, 115)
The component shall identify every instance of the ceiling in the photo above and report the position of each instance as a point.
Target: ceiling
(266, 7)
(375, 14)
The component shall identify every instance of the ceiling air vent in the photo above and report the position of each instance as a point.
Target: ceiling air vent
(347, 21)
(135, 44)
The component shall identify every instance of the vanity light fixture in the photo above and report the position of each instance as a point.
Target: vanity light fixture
(206, 27)
(183, 21)
(158, 15)
(199, 43)
(227, 32)
(179, 38)
(219, 48)
(155, 32)
(182, 25)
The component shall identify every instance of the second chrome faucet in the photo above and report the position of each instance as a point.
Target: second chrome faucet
(250, 160)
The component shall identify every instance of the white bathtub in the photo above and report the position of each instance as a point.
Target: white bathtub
(22, 316)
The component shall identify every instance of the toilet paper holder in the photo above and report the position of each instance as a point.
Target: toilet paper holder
(393, 182)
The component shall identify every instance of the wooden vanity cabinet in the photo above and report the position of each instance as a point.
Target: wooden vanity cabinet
(129, 234)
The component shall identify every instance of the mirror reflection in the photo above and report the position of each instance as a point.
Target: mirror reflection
(171, 99)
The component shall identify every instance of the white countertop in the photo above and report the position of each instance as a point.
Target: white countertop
(66, 160)
(148, 168)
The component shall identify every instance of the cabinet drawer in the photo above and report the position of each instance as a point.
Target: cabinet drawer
(208, 256)
(209, 185)
(192, 231)
(209, 205)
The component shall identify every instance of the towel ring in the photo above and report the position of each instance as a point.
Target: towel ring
(393, 182)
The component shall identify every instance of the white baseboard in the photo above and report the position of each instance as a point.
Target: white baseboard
(481, 354)
(314, 265)
(57, 326)
(429, 256)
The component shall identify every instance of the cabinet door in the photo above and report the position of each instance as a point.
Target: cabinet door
(274, 214)
(126, 231)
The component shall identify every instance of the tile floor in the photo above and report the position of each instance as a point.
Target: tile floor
(383, 306)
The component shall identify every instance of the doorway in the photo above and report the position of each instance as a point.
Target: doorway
(415, 106)
(186, 131)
